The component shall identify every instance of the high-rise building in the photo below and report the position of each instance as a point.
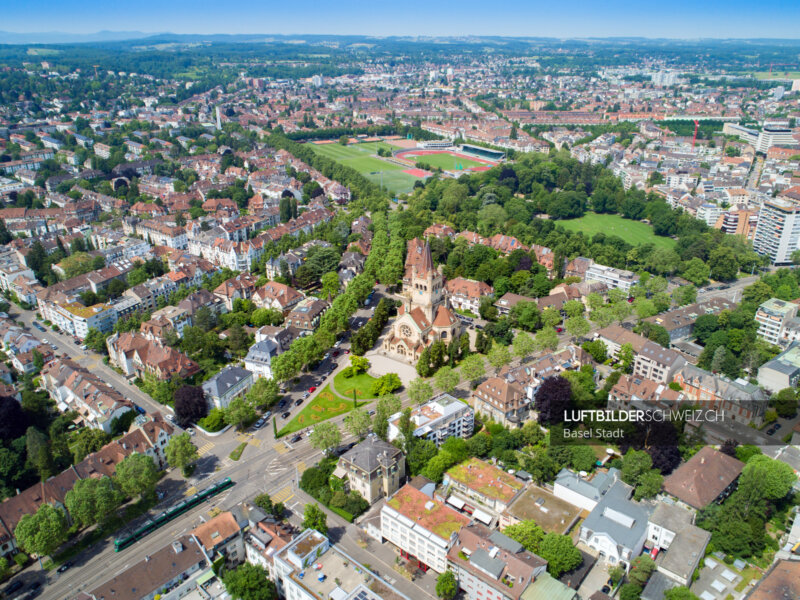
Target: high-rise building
(778, 230)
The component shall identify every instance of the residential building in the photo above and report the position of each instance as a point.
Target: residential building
(278, 296)
(175, 567)
(679, 322)
(76, 319)
(482, 482)
(536, 503)
(778, 231)
(672, 528)
(264, 540)
(231, 382)
(613, 278)
(584, 492)
(737, 400)
(509, 301)
(615, 336)
(202, 298)
(466, 294)
(781, 372)
(422, 527)
(437, 420)
(502, 400)
(657, 363)
(259, 358)
(373, 468)
(772, 316)
(490, 565)
(617, 526)
(306, 315)
(137, 356)
(781, 581)
(220, 536)
(632, 392)
(707, 477)
(242, 287)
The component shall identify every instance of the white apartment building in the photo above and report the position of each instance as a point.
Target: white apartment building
(76, 319)
(773, 316)
(439, 419)
(778, 230)
(422, 527)
(613, 278)
(709, 213)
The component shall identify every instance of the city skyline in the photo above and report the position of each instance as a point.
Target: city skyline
(715, 19)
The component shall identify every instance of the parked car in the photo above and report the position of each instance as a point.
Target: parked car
(170, 418)
(605, 589)
(312, 389)
(296, 438)
(305, 395)
(654, 552)
(64, 567)
(299, 402)
(39, 326)
(259, 424)
(266, 415)
(190, 431)
(36, 585)
(335, 353)
(286, 415)
(13, 587)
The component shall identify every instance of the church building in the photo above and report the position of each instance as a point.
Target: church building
(424, 316)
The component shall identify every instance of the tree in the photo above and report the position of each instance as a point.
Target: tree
(696, 271)
(239, 412)
(315, 518)
(625, 356)
(573, 308)
(772, 478)
(264, 502)
(473, 367)
(723, 264)
(597, 349)
(641, 569)
(386, 384)
(181, 452)
(137, 475)
(447, 379)
(577, 326)
(560, 553)
(785, 402)
(43, 531)
(13, 420)
(446, 585)
(550, 317)
(546, 339)
(420, 391)
(357, 422)
(87, 440)
(249, 582)
(629, 591)
(385, 408)
(527, 533)
(330, 284)
(264, 393)
(96, 340)
(523, 345)
(552, 399)
(499, 356)
(343, 140)
(421, 452)
(92, 500)
(190, 404)
(679, 593)
(326, 436)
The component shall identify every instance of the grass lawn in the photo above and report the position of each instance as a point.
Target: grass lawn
(633, 232)
(777, 73)
(447, 161)
(237, 453)
(362, 158)
(361, 383)
(324, 406)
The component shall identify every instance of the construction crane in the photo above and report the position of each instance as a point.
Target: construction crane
(95, 71)
(694, 138)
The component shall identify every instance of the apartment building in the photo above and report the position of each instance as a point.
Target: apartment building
(778, 231)
(781, 372)
(441, 418)
(657, 363)
(466, 294)
(422, 527)
(373, 468)
(231, 382)
(773, 315)
(484, 483)
(76, 319)
(503, 400)
(737, 399)
(613, 278)
(616, 336)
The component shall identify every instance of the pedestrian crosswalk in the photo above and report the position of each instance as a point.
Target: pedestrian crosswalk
(255, 442)
(280, 448)
(205, 448)
(301, 466)
(191, 491)
(283, 495)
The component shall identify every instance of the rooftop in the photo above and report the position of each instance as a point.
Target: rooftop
(427, 513)
(538, 504)
(486, 479)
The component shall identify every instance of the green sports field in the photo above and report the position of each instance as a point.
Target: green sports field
(633, 232)
(362, 158)
(446, 161)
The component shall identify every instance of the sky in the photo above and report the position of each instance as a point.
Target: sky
(551, 18)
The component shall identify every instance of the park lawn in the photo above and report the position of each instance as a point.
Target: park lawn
(633, 232)
(324, 406)
(362, 158)
(361, 383)
(776, 74)
(448, 162)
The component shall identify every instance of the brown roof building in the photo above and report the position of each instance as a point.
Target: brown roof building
(782, 582)
(704, 478)
(503, 400)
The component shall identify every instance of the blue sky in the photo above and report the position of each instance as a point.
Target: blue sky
(552, 18)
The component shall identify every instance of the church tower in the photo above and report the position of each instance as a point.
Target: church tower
(426, 291)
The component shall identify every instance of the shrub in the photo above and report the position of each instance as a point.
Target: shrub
(213, 421)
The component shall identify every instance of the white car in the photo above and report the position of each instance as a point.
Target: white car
(170, 418)
(190, 431)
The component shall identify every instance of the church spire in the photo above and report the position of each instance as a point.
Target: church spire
(427, 261)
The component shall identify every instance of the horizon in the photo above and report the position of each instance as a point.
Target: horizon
(684, 20)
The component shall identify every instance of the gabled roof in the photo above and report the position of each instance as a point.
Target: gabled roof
(701, 479)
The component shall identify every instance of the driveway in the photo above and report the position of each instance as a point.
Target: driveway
(595, 579)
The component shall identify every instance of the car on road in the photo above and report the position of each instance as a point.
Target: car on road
(259, 424)
(13, 587)
(299, 402)
(39, 326)
(296, 438)
(286, 415)
(190, 431)
(64, 567)
(54, 347)
(370, 413)
(335, 353)
(84, 347)
(337, 344)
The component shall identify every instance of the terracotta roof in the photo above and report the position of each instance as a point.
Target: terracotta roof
(216, 530)
(701, 479)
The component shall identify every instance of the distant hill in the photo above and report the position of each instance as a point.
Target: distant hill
(59, 37)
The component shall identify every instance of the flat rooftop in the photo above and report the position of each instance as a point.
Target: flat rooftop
(485, 479)
(550, 513)
(430, 514)
(330, 567)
